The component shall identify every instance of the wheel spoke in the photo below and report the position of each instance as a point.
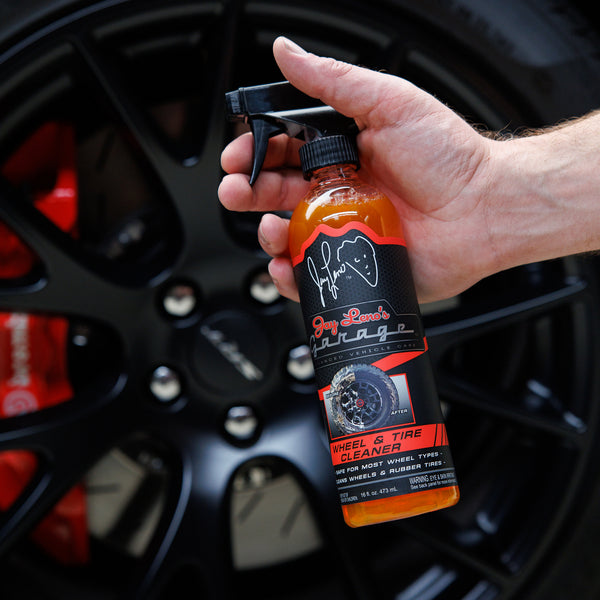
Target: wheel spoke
(222, 45)
(426, 531)
(462, 324)
(458, 390)
(54, 247)
(68, 285)
(197, 183)
(195, 531)
(92, 299)
(301, 443)
(68, 439)
(108, 80)
(59, 429)
(192, 187)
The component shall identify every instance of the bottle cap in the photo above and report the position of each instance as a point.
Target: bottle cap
(326, 151)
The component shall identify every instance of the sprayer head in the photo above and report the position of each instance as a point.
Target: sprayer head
(249, 102)
(326, 151)
(279, 107)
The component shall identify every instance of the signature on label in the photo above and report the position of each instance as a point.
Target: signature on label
(357, 255)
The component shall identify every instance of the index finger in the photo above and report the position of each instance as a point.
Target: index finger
(281, 152)
(272, 191)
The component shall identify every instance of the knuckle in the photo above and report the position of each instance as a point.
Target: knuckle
(337, 68)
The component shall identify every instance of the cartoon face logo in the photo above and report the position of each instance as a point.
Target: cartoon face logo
(359, 255)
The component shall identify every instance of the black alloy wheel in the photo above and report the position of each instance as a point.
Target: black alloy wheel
(193, 425)
(362, 397)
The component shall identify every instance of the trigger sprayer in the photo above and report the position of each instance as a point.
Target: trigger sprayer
(388, 442)
(280, 108)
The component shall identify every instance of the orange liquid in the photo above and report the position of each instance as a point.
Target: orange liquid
(336, 203)
(338, 197)
(399, 507)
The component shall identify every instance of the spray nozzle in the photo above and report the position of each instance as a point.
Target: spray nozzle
(280, 108)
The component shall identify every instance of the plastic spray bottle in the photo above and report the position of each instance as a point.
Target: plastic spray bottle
(387, 438)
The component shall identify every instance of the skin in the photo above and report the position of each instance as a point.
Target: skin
(470, 205)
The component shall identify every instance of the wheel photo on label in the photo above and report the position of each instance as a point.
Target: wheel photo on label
(361, 398)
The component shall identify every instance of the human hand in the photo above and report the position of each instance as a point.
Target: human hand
(434, 167)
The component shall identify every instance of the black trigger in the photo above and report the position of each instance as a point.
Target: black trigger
(261, 130)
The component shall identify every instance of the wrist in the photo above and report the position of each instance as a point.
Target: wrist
(542, 201)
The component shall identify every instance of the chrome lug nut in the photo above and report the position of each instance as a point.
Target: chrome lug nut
(81, 335)
(299, 363)
(263, 290)
(241, 423)
(180, 300)
(165, 384)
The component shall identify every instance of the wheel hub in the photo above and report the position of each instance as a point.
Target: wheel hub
(232, 353)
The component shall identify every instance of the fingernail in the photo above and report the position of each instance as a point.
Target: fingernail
(264, 242)
(292, 46)
(275, 281)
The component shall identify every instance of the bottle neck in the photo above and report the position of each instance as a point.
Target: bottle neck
(333, 172)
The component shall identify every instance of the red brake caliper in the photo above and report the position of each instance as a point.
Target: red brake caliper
(33, 348)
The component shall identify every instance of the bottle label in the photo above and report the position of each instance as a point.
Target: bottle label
(372, 370)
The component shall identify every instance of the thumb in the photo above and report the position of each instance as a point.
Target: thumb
(370, 97)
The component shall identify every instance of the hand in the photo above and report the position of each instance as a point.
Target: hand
(458, 194)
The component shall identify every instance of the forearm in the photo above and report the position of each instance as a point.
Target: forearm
(544, 199)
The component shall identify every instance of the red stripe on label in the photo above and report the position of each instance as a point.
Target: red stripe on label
(394, 360)
(333, 232)
(401, 439)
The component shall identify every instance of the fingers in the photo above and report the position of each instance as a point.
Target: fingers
(273, 191)
(354, 91)
(273, 237)
(282, 274)
(278, 189)
(237, 155)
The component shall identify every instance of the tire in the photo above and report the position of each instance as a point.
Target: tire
(362, 398)
(186, 368)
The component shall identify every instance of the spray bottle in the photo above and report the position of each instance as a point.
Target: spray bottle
(387, 438)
